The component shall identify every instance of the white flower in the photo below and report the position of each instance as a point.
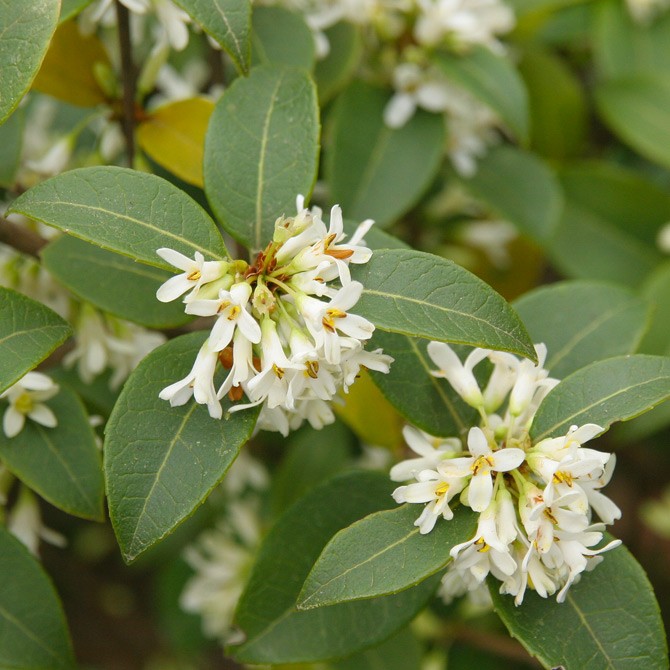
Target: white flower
(231, 309)
(482, 462)
(196, 273)
(434, 488)
(198, 383)
(458, 374)
(25, 399)
(24, 521)
(431, 450)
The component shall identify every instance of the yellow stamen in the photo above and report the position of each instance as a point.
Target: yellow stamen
(24, 403)
(483, 547)
(442, 489)
(481, 462)
(195, 275)
(278, 371)
(312, 369)
(561, 477)
(234, 313)
(224, 304)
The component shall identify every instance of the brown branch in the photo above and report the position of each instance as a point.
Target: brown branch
(20, 238)
(495, 644)
(129, 77)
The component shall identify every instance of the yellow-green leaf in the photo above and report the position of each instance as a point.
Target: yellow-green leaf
(174, 136)
(68, 69)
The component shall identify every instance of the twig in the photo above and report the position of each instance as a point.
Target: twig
(128, 75)
(495, 644)
(21, 239)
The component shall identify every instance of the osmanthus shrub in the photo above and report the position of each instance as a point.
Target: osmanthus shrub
(239, 336)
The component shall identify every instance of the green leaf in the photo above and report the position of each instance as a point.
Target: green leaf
(311, 457)
(128, 291)
(278, 633)
(228, 22)
(519, 187)
(494, 81)
(587, 246)
(610, 619)
(422, 295)
(334, 72)
(376, 172)
(657, 291)
(161, 462)
(261, 151)
(29, 332)
(558, 109)
(623, 47)
(637, 109)
(630, 201)
(11, 144)
(401, 652)
(32, 625)
(26, 29)
(381, 554)
(581, 322)
(63, 463)
(616, 389)
(130, 212)
(270, 42)
(424, 400)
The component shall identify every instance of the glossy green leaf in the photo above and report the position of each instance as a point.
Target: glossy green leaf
(278, 633)
(426, 401)
(422, 295)
(587, 246)
(26, 29)
(624, 47)
(29, 332)
(520, 188)
(334, 72)
(228, 22)
(11, 144)
(616, 389)
(494, 81)
(381, 554)
(261, 151)
(558, 109)
(610, 619)
(161, 462)
(401, 652)
(376, 172)
(128, 290)
(311, 457)
(33, 632)
(270, 42)
(581, 322)
(63, 463)
(637, 109)
(130, 212)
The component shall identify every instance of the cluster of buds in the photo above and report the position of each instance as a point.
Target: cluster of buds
(535, 501)
(283, 328)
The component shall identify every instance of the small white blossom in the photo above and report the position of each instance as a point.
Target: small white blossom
(26, 400)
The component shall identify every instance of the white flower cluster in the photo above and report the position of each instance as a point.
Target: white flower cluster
(535, 501)
(26, 400)
(283, 328)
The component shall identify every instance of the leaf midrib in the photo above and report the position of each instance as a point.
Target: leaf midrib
(143, 224)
